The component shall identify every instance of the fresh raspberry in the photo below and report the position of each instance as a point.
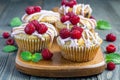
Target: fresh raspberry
(30, 10)
(5, 35)
(110, 37)
(111, 66)
(74, 20)
(64, 18)
(71, 3)
(35, 23)
(29, 29)
(42, 28)
(37, 8)
(46, 54)
(110, 48)
(91, 17)
(64, 33)
(75, 34)
(63, 2)
(77, 28)
(10, 42)
(70, 14)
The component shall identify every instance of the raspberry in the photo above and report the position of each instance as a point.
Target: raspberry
(46, 54)
(91, 17)
(70, 14)
(29, 29)
(111, 37)
(42, 28)
(71, 3)
(5, 35)
(30, 10)
(110, 48)
(75, 34)
(64, 33)
(63, 2)
(35, 23)
(77, 28)
(74, 20)
(10, 42)
(37, 8)
(111, 66)
(64, 18)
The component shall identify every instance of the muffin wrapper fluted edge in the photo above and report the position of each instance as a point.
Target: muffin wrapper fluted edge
(79, 54)
(32, 45)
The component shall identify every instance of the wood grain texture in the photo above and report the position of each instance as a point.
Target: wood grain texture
(102, 9)
(59, 67)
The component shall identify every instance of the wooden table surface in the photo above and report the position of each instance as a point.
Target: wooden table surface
(102, 9)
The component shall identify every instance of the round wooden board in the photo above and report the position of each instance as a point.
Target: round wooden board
(59, 67)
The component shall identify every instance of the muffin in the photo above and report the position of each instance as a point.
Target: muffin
(40, 15)
(70, 19)
(79, 44)
(34, 36)
(73, 14)
(72, 6)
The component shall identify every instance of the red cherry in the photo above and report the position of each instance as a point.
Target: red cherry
(75, 34)
(46, 54)
(70, 14)
(64, 33)
(29, 29)
(110, 48)
(111, 37)
(64, 18)
(37, 8)
(35, 23)
(71, 3)
(77, 28)
(111, 66)
(42, 28)
(10, 42)
(5, 35)
(74, 20)
(30, 10)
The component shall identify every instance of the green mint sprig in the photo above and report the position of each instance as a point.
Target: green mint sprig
(113, 57)
(36, 57)
(9, 48)
(27, 56)
(103, 25)
(15, 22)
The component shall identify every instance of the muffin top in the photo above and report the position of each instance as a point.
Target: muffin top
(34, 30)
(72, 6)
(35, 13)
(78, 36)
(68, 21)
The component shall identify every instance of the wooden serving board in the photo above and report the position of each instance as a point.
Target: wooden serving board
(59, 67)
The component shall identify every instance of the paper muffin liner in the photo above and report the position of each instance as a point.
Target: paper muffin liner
(79, 54)
(32, 45)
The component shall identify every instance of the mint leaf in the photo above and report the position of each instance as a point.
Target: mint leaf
(36, 57)
(103, 25)
(113, 57)
(15, 22)
(26, 56)
(9, 48)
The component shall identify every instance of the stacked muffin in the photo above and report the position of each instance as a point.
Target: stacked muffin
(77, 38)
(72, 25)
